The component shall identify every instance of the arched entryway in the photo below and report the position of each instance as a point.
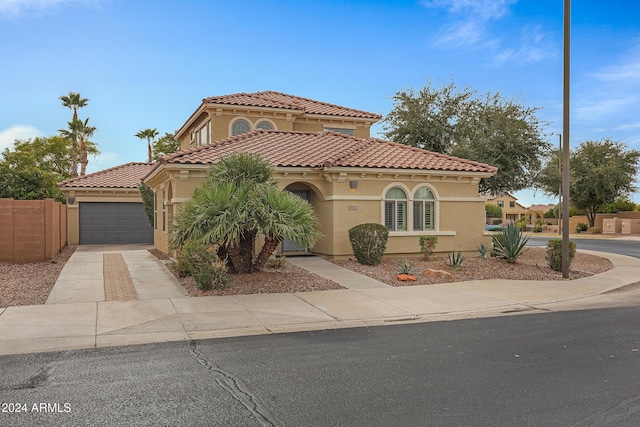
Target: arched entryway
(309, 194)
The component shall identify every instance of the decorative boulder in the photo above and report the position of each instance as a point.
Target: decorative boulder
(406, 278)
(429, 272)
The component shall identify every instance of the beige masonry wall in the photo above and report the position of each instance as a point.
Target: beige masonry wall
(31, 230)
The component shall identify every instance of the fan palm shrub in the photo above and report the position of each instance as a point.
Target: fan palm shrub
(238, 201)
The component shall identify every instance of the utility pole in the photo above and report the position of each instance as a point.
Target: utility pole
(560, 189)
(565, 137)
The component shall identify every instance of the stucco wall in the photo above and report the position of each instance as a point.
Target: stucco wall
(459, 217)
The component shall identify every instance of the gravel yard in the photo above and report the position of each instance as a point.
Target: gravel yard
(531, 265)
(28, 284)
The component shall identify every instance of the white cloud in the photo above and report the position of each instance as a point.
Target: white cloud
(471, 25)
(8, 136)
(483, 10)
(470, 20)
(12, 8)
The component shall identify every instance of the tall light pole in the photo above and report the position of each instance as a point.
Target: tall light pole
(565, 137)
(560, 189)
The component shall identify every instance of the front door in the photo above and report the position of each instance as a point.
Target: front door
(288, 245)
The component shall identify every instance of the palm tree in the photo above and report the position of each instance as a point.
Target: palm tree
(74, 101)
(79, 132)
(239, 200)
(148, 134)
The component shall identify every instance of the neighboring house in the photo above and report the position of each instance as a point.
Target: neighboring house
(106, 207)
(512, 211)
(323, 153)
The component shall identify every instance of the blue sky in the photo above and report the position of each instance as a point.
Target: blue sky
(148, 64)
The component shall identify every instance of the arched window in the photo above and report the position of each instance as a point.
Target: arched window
(395, 209)
(423, 209)
(240, 126)
(264, 125)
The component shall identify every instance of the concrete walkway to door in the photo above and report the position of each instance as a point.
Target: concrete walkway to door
(328, 270)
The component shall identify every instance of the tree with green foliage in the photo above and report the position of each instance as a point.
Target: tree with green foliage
(619, 205)
(164, 145)
(600, 172)
(149, 135)
(74, 102)
(79, 132)
(147, 201)
(238, 201)
(493, 211)
(491, 129)
(33, 168)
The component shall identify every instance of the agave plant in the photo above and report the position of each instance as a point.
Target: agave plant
(509, 243)
(455, 260)
(405, 267)
(483, 250)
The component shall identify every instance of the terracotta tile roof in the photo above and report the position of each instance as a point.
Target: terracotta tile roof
(128, 175)
(324, 149)
(274, 99)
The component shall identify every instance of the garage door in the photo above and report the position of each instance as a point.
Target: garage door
(114, 223)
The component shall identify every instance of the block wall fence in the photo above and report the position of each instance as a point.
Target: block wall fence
(32, 230)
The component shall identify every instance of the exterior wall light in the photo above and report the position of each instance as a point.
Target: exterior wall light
(71, 200)
(353, 184)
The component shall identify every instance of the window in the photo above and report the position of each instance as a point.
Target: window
(164, 211)
(155, 210)
(501, 203)
(423, 207)
(240, 126)
(395, 209)
(341, 130)
(512, 204)
(202, 135)
(264, 125)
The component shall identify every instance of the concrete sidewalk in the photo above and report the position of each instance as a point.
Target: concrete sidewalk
(78, 315)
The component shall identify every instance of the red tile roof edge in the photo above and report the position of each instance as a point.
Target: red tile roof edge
(66, 183)
(358, 144)
(265, 98)
(434, 153)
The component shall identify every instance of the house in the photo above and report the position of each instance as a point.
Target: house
(106, 207)
(324, 153)
(512, 211)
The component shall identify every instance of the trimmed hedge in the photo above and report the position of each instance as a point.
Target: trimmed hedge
(369, 242)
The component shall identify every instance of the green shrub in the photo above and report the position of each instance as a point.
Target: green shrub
(428, 245)
(492, 211)
(455, 260)
(509, 243)
(554, 253)
(369, 242)
(277, 261)
(581, 226)
(497, 221)
(204, 265)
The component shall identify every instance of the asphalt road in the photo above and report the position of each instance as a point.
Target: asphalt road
(616, 246)
(567, 368)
